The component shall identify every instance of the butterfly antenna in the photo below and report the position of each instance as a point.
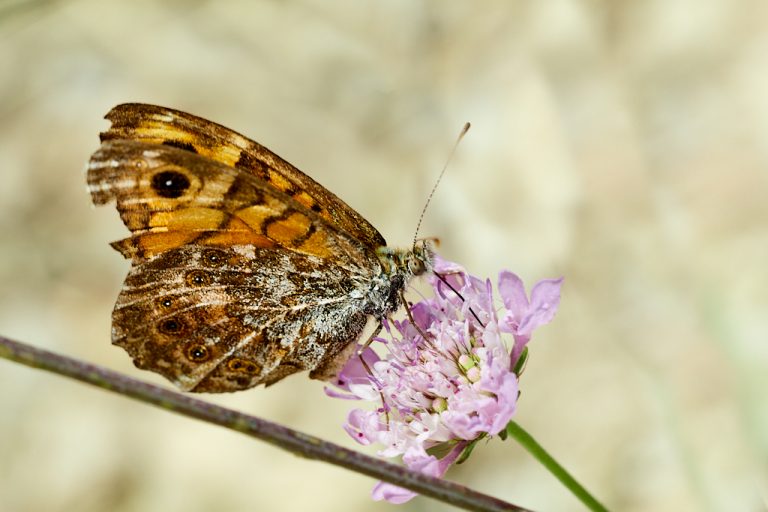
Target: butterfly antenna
(440, 177)
(458, 293)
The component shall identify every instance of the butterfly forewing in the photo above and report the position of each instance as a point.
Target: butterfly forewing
(161, 125)
(169, 197)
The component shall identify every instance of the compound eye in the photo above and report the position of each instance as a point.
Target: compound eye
(416, 266)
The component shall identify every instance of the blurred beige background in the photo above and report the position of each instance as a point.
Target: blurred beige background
(623, 145)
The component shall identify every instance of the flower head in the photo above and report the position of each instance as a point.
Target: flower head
(447, 377)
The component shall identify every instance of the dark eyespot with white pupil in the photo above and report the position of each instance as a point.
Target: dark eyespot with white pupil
(214, 258)
(198, 353)
(170, 184)
(198, 278)
(171, 326)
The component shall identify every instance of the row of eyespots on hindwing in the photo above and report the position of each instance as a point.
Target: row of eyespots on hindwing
(239, 370)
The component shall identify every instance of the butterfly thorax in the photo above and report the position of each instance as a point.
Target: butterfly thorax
(399, 266)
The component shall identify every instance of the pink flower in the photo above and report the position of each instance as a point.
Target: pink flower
(447, 381)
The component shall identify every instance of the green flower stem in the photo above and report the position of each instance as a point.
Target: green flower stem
(539, 453)
(278, 435)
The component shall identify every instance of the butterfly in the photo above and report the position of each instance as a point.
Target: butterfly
(244, 270)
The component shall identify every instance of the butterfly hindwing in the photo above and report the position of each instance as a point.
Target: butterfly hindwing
(223, 319)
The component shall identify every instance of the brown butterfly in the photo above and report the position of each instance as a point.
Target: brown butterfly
(244, 269)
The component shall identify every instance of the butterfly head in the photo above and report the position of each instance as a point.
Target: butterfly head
(408, 263)
(401, 265)
(419, 260)
(398, 267)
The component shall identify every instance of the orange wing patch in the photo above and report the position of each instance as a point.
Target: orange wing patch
(188, 219)
(237, 232)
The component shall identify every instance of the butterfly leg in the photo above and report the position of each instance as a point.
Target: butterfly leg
(361, 348)
(410, 317)
(372, 337)
(368, 370)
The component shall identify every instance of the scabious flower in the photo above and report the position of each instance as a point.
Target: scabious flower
(448, 377)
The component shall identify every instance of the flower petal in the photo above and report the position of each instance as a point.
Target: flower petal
(443, 266)
(545, 298)
(331, 392)
(391, 493)
(512, 292)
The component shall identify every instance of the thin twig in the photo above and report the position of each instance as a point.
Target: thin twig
(296, 442)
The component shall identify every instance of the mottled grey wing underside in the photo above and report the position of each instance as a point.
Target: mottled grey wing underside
(225, 319)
